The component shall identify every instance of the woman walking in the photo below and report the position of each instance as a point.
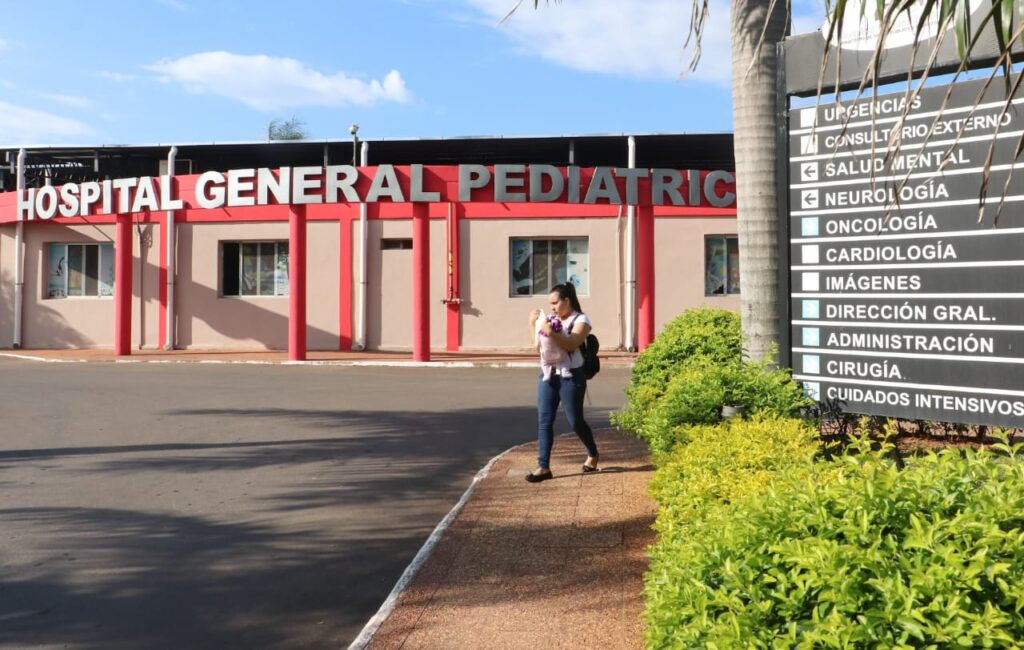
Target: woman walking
(566, 328)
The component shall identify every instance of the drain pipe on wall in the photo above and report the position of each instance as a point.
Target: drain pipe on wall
(631, 257)
(169, 319)
(618, 279)
(19, 254)
(360, 342)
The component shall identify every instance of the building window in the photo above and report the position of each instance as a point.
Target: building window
(79, 270)
(254, 268)
(396, 244)
(721, 266)
(537, 265)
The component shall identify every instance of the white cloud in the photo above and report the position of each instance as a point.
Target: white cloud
(119, 77)
(271, 83)
(69, 100)
(19, 125)
(630, 38)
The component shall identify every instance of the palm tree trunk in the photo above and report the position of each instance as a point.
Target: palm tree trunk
(754, 105)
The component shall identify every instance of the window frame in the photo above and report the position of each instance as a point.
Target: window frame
(550, 270)
(727, 267)
(103, 250)
(241, 243)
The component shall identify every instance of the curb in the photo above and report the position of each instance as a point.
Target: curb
(257, 362)
(28, 357)
(366, 635)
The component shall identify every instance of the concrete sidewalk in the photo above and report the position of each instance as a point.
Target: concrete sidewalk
(461, 358)
(557, 564)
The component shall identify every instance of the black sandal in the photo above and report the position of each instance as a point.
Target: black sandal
(537, 478)
(587, 469)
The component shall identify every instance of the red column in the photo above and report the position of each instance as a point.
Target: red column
(345, 258)
(454, 306)
(123, 286)
(421, 282)
(645, 275)
(296, 283)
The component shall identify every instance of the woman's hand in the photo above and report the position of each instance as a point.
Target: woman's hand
(545, 327)
(534, 315)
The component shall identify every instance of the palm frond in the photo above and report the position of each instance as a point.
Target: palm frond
(519, 3)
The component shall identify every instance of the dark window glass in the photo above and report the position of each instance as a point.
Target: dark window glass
(537, 265)
(734, 264)
(721, 266)
(92, 270)
(250, 256)
(79, 270)
(558, 262)
(396, 244)
(541, 264)
(231, 252)
(75, 264)
(266, 265)
(520, 253)
(281, 276)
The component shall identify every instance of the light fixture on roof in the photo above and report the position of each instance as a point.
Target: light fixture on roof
(354, 130)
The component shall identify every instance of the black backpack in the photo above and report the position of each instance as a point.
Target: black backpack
(589, 349)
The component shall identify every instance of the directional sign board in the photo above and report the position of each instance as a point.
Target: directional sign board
(907, 295)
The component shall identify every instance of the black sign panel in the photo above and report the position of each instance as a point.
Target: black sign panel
(923, 106)
(992, 312)
(911, 251)
(907, 281)
(903, 220)
(979, 344)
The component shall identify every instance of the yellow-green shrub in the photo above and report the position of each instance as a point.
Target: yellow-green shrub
(851, 553)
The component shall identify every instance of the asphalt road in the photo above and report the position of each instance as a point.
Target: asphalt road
(234, 506)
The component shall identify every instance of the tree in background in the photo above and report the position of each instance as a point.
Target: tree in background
(293, 129)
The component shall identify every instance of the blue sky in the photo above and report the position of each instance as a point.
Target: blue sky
(170, 71)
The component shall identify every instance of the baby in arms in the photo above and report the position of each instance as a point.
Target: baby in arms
(552, 357)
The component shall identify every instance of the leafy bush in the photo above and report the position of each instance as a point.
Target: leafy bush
(696, 393)
(769, 550)
(693, 396)
(712, 334)
(697, 334)
(760, 388)
(694, 367)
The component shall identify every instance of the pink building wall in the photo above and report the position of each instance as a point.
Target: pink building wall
(488, 318)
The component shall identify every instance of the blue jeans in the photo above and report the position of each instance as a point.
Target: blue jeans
(570, 393)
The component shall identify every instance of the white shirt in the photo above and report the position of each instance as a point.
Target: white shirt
(575, 357)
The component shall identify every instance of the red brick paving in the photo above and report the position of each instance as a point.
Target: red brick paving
(558, 564)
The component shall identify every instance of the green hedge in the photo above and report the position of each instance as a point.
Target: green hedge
(759, 546)
(703, 332)
(693, 368)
